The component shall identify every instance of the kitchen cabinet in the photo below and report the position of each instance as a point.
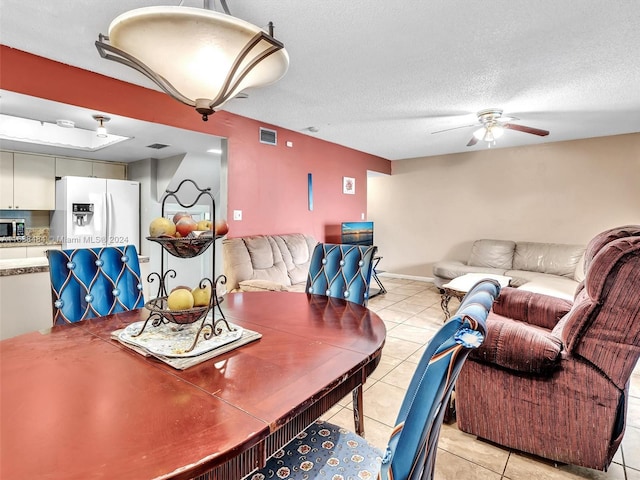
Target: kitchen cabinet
(25, 251)
(109, 170)
(38, 250)
(12, 253)
(6, 180)
(77, 167)
(25, 303)
(70, 167)
(28, 182)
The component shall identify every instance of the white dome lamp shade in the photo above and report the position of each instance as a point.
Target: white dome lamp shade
(490, 132)
(200, 57)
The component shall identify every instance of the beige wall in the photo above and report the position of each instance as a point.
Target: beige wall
(434, 207)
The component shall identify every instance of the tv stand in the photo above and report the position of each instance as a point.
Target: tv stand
(374, 274)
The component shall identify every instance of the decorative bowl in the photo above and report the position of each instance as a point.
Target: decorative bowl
(185, 247)
(190, 315)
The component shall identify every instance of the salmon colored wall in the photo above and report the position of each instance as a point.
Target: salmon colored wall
(268, 183)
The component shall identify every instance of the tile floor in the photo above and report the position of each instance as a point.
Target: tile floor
(411, 311)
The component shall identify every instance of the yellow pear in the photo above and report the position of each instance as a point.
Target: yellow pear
(201, 296)
(162, 226)
(180, 299)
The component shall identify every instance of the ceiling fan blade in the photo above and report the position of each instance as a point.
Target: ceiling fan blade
(522, 128)
(472, 142)
(455, 128)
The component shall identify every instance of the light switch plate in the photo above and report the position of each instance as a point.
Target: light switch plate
(237, 214)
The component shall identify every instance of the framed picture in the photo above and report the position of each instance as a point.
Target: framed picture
(349, 185)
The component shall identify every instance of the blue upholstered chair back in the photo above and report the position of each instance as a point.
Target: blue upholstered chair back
(412, 447)
(92, 282)
(341, 271)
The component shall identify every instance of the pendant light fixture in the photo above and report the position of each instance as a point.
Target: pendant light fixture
(198, 56)
(101, 131)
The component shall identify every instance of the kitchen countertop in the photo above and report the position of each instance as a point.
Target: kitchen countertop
(35, 237)
(21, 266)
(28, 244)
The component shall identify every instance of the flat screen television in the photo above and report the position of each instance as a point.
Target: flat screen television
(357, 233)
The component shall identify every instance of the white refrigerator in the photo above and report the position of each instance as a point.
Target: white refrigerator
(96, 212)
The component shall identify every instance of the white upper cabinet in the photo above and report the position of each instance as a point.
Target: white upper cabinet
(109, 170)
(6, 180)
(75, 167)
(28, 182)
(70, 167)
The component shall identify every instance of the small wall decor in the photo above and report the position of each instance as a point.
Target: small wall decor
(349, 185)
(310, 191)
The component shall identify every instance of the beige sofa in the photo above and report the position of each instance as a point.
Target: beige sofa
(549, 268)
(267, 262)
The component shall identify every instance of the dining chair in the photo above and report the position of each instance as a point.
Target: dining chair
(93, 282)
(343, 271)
(327, 451)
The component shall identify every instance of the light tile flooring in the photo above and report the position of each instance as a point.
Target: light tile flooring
(411, 311)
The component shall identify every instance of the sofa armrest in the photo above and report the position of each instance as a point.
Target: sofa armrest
(520, 347)
(530, 307)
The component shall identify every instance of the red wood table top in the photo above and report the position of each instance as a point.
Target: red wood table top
(77, 405)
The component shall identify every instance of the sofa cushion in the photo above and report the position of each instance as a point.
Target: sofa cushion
(559, 287)
(552, 258)
(296, 251)
(453, 268)
(579, 274)
(492, 254)
(251, 258)
(280, 259)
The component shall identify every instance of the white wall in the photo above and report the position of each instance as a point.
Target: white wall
(433, 208)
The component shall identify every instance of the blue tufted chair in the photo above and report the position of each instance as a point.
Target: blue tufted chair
(342, 271)
(326, 451)
(92, 282)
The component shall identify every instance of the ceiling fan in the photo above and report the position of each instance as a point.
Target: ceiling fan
(493, 124)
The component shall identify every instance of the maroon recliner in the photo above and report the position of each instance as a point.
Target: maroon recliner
(552, 377)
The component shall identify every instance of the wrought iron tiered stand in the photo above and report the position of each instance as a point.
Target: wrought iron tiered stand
(212, 318)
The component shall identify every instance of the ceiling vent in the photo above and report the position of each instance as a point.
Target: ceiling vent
(270, 137)
(157, 146)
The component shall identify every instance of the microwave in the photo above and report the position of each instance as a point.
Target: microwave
(12, 230)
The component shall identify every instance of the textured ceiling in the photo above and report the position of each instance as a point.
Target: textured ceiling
(380, 77)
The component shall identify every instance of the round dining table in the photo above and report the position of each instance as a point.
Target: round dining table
(77, 404)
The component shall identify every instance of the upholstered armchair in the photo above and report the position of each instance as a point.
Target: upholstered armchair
(92, 282)
(557, 372)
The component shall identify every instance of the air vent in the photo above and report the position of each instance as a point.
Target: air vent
(270, 137)
(157, 146)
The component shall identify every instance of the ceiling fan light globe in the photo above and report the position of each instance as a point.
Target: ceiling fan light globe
(488, 137)
(479, 133)
(497, 131)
